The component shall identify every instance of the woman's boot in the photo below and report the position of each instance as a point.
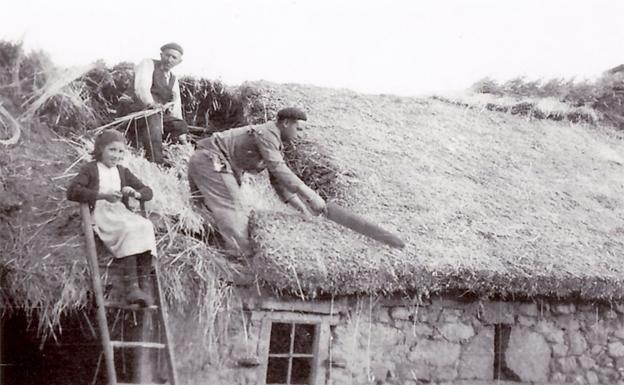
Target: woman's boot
(145, 272)
(134, 294)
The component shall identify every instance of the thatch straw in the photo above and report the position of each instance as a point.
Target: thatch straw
(6, 119)
(56, 84)
(487, 202)
(43, 266)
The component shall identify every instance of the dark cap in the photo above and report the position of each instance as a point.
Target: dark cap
(291, 113)
(175, 46)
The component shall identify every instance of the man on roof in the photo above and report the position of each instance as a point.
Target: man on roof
(156, 87)
(216, 166)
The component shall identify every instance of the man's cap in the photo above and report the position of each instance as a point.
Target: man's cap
(175, 46)
(291, 113)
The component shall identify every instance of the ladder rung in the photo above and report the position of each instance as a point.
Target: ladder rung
(137, 344)
(125, 306)
(137, 383)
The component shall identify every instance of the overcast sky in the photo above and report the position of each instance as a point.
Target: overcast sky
(406, 47)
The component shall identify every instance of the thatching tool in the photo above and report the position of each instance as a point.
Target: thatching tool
(134, 115)
(361, 225)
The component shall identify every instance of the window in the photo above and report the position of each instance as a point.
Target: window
(291, 358)
(294, 343)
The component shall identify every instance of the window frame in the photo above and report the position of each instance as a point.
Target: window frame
(291, 354)
(320, 348)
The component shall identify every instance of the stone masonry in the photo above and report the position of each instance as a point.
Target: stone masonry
(453, 342)
(442, 341)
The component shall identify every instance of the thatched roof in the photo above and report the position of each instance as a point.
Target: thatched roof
(43, 269)
(487, 202)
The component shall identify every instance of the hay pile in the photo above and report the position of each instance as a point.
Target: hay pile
(211, 104)
(43, 265)
(43, 270)
(487, 203)
(84, 98)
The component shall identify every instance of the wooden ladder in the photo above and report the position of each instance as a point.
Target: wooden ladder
(109, 345)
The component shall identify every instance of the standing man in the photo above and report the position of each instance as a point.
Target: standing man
(217, 164)
(155, 87)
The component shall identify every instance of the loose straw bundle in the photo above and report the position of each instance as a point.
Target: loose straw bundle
(6, 119)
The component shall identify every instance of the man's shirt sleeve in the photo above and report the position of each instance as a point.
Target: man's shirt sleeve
(281, 191)
(143, 74)
(176, 112)
(269, 147)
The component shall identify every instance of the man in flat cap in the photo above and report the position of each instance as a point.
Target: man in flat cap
(216, 166)
(156, 87)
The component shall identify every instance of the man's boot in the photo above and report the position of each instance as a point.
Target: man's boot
(134, 294)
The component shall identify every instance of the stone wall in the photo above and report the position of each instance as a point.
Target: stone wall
(446, 341)
(443, 341)
(210, 352)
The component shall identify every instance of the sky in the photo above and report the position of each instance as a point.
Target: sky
(404, 47)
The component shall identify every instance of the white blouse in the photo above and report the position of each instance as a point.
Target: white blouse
(110, 180)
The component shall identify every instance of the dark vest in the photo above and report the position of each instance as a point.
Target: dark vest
(162, 92)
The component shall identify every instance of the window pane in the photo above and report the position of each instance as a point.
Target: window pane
(304, 338)
(301, 370)
(277, 370)
(280, 338)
